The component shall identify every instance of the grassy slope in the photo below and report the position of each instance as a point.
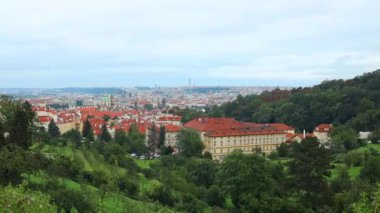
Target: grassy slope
(354, 171)
(112, 202)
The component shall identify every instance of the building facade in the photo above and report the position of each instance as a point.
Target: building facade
(221, 136)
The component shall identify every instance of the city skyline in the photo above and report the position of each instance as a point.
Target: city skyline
(46, 44)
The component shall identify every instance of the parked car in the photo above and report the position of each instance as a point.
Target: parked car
(142, 157)
(133, 155)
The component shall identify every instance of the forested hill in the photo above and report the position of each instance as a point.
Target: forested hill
(354, 102)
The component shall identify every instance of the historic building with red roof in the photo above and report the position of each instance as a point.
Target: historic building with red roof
(322, 132)
(223, 135)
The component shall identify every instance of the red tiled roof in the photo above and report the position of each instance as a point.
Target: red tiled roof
(212, 124)
(323, 128)
(44, 119)
(170, 118)
(172, 128)
(281, 126)
(241, 132)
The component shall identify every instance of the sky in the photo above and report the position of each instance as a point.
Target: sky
(124, 43)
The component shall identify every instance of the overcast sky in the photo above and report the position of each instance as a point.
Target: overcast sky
(55, 43)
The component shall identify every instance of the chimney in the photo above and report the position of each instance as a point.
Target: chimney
(304, 134)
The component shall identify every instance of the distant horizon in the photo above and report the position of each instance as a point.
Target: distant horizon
(315, 82)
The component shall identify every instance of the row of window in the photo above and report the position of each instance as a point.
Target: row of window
(245, 149)
(251, 142)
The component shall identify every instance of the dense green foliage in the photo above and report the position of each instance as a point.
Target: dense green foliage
(53, 129)
(355, 101)
(105, 135)
(87, 131)
(67, 175)
(189, 143)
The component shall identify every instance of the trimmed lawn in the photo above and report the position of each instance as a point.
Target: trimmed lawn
(144, 163)
(352, 171)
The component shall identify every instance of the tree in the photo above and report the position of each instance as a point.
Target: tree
(74, 136)
(371, 169)
(167, 150)
(53, 129)
(136, 140)
(105, 135)
(87, 131)
(148, 107)
(2, 135)
(202, 172)
(163, 103)
(153, 138)
(375, 136)
(18, 199)
(161, 137)
(120, 137)
(14, 162)
(242, 175)
(342, 182)
(309, 168)
(283, 150)
(189, 143)
(20, 132)
(214, 196)
(344, 138)
(106, 118)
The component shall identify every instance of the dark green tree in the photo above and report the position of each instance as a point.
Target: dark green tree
(375, 136)
(344, 138)
(242, 175)
(53, 129)
(15, 162)
(136, 140)
(74, 136)
(371, 170)
(161, 137)
(105, 135)
(148, 107)
(120, 137)
(342, 182)
(106, 118)
(153, 138)
(190, 143)
(283, 150)
(202, 172)
(2, 135)
(20, 130)
(87, 131)
(163, 103)
(310, 165)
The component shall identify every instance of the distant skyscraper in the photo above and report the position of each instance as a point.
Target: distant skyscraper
(189, 82)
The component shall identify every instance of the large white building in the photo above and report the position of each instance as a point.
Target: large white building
(223, 135)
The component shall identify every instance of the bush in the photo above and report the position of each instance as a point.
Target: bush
(163, 195)
(214, 196)
(99, 178)
(20, 200)
(132, 188)
(67, 199)
(191, 204)
(149, 173)
(64, 167)
(354, 158)
(128, 164)
(14, 162)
